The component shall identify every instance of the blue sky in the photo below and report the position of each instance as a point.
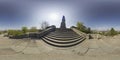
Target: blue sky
(97, 14)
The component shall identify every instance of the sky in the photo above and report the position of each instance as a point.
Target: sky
(97, 14)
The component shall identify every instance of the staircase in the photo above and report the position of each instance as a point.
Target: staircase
(63, 38)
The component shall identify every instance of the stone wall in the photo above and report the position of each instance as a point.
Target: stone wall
(42, 33)
(80, 33)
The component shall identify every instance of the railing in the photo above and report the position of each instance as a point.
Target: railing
(42, 33)
(46, 31)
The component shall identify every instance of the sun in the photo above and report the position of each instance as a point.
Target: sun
(54, 16)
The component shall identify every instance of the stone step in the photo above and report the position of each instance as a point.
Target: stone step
(71, 35)
(65, 38)
(59, 38)
(63, 45)
(63, 41)
(63, 34)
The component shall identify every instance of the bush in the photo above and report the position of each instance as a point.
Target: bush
(83, 28)
(88, 30)
(24, 30)
(15, 33)
(73, 27)
(112, 32)
(102, 33)
(0, 32)
(33, 29)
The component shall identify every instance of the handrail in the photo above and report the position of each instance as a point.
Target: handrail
(43, 33)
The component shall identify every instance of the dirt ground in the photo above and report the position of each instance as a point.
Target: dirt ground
(107, 48)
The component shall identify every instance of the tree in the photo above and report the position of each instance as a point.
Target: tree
(89, 30)
(33, 29)
(112, 32)
(0, 32)
(24, 29)
(44, 25)
(81, 27)
(72, 27)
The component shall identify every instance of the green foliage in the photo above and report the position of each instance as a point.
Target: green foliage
(33, 29)
(0, 32)
(72, 27)
(112, 32)
(15, 32)
(24, 30)
(88, 30)
(83, 28)
(102, 33)
(80, 26)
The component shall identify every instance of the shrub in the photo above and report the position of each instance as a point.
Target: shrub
(88, 30)
(24, 30)
(112, 32)
(15, 32)
(0, 32)
(33, 29)
(83, 28)
(73, 27)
